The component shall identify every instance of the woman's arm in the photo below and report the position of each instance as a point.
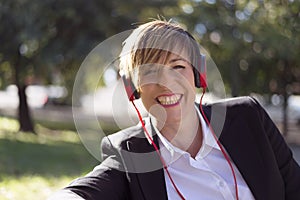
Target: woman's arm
(289, 169)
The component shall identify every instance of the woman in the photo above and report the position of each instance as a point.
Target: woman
(183, 150)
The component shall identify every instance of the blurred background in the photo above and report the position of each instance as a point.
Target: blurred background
(254, 43)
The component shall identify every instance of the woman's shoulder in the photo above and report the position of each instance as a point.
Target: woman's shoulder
(237, 102)
(123, 135)
(237, 106)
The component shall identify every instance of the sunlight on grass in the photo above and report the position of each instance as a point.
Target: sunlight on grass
(31, 187)
(35, 166)
(9, 125)
(9, 129)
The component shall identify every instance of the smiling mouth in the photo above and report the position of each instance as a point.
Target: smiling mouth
(169, 100)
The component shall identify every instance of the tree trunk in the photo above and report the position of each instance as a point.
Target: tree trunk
(286, 79)
(24, 117)
(234, 80)
(25, 121)
(285, 114)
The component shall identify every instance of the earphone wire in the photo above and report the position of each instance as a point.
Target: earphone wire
(157, 151)
(214, 135)
(219, 144)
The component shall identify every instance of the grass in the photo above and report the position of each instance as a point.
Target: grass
(35, 166)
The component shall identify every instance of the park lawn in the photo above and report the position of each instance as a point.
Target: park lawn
(35, 166)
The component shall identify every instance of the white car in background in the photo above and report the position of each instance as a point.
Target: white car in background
(37, 95)
(294, 107)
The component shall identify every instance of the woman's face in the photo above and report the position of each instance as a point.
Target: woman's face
(167, 88)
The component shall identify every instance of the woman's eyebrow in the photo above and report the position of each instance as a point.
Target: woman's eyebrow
(177, 59)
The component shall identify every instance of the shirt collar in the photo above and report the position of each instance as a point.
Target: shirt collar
(171, 153)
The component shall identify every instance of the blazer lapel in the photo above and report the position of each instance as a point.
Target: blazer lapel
(237, 139)
(239, 144)
(153, 185)
(150, 174)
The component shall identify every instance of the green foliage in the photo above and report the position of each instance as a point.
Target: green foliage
(248, 39)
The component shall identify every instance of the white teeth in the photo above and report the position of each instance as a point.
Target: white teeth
(169, 100)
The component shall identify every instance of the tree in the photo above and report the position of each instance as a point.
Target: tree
(39, 37)
(13, 48)
(254, 43)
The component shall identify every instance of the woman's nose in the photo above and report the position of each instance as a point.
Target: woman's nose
(162, 76)
(166, 76)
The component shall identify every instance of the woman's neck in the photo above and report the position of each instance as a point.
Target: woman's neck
(186, 134)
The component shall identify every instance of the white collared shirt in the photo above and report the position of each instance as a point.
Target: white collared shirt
(207, 177)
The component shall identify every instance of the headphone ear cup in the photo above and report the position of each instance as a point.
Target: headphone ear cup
(131, 90)
(200, 72)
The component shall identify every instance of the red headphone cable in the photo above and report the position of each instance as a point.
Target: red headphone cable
(163, 162)
(157, 151)
(219, 144)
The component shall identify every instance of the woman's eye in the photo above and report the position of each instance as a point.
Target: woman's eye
(178, 67)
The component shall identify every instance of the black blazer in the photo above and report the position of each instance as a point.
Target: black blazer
(250, 137)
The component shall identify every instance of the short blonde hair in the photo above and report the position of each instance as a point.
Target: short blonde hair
(153, 40)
